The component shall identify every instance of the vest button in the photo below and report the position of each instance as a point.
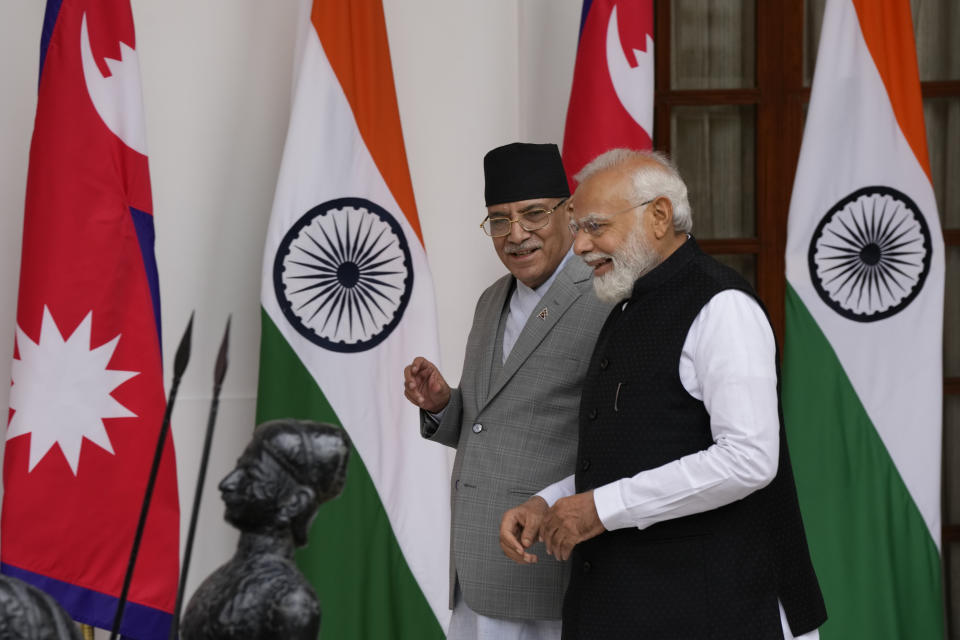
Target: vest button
(477, 428)
(593, 414)
(604, 363)
(586, 567)
(584, 464)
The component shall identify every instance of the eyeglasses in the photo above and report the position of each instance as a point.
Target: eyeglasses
(498, 226)
(594, 224)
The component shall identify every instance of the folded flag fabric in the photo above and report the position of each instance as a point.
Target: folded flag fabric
(611, 101)
(87, 398)
(347, 302)
(862, 386)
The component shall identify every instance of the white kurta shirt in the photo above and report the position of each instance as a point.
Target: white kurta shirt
(727, 362)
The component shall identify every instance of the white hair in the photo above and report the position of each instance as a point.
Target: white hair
(649, 181)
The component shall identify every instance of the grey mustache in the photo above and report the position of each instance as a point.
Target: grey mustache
(521, 247)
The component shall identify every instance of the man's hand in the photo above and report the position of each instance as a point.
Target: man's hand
(570, 521)
(424, 386)
(519, 529)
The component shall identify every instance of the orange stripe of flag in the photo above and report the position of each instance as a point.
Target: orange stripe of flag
(354, 38)
(887, 28)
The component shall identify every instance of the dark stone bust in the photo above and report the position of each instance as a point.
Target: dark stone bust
(27, 613)
(288, 470)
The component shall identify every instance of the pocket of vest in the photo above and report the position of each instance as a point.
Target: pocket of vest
(521, 492)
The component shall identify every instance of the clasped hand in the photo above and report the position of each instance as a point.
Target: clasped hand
(570, 521)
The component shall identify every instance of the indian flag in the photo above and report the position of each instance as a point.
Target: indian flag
(862, 386)
(347, 302)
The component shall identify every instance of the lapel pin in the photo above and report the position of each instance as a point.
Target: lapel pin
(543, 314)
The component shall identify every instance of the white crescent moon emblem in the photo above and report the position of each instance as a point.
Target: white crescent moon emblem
(117, 99)
(634, 85)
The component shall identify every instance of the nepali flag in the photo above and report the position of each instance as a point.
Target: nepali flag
(87, 398)
(611, 101)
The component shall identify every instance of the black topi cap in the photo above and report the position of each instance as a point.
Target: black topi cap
(523, 171)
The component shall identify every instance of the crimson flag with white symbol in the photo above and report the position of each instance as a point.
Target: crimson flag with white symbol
(611, 101)
(87, 398)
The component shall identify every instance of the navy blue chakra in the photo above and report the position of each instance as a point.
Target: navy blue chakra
(870, 254)
(343, 274)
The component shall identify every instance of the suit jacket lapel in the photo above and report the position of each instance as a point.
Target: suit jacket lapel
(562, 293)
(488, 340)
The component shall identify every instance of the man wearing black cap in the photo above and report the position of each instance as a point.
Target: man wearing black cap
(513, 419)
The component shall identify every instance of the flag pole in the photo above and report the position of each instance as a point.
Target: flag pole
(219, 372)
(179, 365)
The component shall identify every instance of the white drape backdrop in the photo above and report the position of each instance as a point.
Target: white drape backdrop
(216, 78)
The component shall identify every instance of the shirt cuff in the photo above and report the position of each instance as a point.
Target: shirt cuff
(557, 490)
(432, 422)
(611, 509)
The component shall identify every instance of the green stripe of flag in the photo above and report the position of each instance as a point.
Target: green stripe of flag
(878, 566)
(365, 587)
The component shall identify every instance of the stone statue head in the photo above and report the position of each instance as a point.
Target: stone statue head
(288, 470)
(27, 613)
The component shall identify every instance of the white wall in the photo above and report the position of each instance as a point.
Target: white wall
(470, 75)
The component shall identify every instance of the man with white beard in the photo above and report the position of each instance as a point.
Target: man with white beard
(682, 518)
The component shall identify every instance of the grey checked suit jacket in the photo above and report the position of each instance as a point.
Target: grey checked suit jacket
(515, 431)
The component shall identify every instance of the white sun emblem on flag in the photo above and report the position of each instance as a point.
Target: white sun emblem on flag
(61, 391)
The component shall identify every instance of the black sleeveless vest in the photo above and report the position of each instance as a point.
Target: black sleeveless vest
(716, 574)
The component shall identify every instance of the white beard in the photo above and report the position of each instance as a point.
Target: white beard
(634, 259)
